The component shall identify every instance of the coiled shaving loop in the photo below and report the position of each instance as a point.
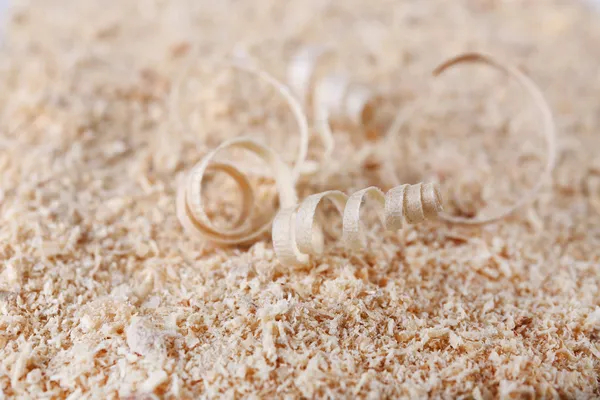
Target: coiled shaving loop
(297, 234)
(252, 219)
(332, 96)
(548, 130)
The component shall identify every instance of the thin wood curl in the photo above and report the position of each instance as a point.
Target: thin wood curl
(547, 123)
(297, 235)
(331, 96)
(190, 205)
(548, 128)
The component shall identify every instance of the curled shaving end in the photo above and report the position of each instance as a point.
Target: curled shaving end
(547, 126)
(297, 235)
(548, 130)
(250, 223)
(331, 96)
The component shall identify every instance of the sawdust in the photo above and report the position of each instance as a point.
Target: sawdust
(104, 296)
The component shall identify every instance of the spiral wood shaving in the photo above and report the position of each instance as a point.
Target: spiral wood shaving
(410, 203)
(296, 234)
(331, 96)
(547, 127)
(190, 205)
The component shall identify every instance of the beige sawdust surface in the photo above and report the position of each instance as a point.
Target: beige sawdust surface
(104, 296)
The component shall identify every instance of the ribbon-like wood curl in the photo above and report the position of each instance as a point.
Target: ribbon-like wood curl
(547, 127)
(331, 96)
(190, 205)
(296, 234)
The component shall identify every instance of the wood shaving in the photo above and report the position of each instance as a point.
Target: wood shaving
(296, 233)
(190, 207)
(548, 129)
(331, 96)
(414, 203)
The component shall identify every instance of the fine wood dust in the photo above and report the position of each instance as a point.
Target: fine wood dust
(102, 294)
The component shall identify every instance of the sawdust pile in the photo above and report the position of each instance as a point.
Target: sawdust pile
(104, 296)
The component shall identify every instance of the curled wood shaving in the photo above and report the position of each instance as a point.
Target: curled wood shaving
(300, 73)
(332, 96)
(190, 206)
(548, 130)
(297, 235)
